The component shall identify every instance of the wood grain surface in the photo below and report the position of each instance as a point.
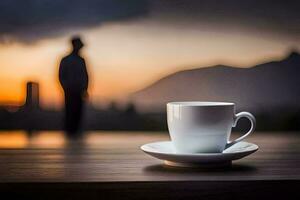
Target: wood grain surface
(107, 162)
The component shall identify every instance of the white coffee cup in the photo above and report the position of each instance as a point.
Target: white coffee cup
(204, 127)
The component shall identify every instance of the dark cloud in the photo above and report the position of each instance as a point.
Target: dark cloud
(29, 20)
(277, 16)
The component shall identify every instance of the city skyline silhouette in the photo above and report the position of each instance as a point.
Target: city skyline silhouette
(132, 117)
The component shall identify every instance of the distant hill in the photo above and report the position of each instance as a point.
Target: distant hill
(262, 88)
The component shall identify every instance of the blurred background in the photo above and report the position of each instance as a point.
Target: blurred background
(141, 54)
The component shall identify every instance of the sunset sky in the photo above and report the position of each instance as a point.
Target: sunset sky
(128, 46)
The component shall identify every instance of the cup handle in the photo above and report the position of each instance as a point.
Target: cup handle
(236, 119)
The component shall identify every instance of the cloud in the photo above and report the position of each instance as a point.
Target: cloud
(273, 16)
(30, 20)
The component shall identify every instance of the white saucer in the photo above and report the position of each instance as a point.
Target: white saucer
(164, 151)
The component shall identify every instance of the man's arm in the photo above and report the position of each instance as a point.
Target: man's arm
(62, 73)
(85, 76)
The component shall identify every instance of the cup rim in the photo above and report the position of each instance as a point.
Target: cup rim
(200, 103)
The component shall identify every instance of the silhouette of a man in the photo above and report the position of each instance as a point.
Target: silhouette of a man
(74, 79)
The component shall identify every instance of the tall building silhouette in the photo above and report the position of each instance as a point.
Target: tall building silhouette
(32, 95)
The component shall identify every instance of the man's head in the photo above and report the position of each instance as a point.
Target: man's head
(77, 44)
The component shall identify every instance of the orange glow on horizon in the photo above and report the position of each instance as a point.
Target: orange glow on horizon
(123, 58)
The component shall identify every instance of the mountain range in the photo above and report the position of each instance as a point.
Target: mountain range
(262, 88)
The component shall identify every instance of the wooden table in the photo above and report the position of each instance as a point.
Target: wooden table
(110, 165)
